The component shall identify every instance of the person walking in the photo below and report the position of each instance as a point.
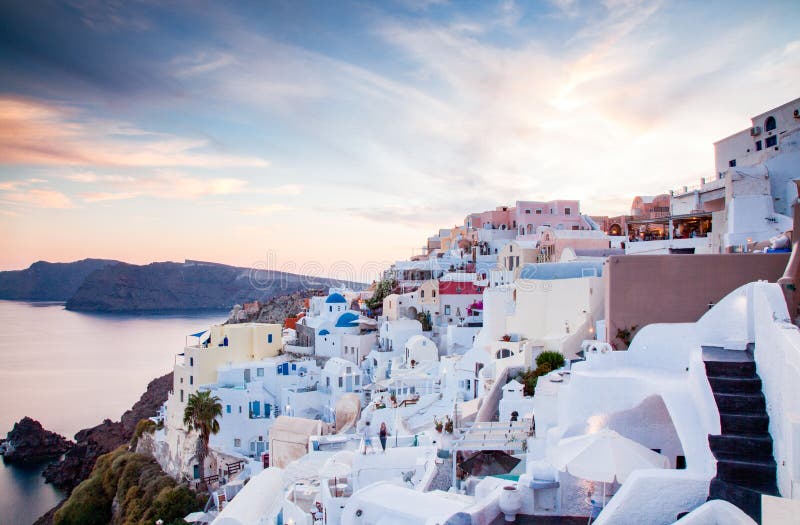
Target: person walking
(382, 435)
(368, 438)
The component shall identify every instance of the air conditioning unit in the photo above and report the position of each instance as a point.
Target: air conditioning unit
(797, 113)
(755, 131)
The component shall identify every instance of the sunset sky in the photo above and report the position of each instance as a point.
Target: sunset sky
(289, 132)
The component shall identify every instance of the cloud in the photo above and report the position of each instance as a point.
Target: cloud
(82, 177)
(265, 209)
(164, 185)
(38, 198)
(38, 133)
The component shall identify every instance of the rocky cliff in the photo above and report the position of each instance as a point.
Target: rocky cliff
(29, 442)
(90, 443)
(190, 285)
(45, 281)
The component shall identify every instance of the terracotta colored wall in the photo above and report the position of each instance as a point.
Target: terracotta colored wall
(646, 289)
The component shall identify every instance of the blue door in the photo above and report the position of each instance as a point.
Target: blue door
(196, 471)
(256, 407)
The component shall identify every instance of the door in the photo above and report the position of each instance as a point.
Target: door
(256, 407)
(246, 375)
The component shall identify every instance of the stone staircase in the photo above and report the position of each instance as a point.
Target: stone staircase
(746, 468)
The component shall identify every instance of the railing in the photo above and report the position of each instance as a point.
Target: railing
(213, 478)
(235, 467)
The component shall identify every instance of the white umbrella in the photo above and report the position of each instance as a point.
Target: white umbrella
(341, 464)
(198, 517)
(338, 466)
(603, 456)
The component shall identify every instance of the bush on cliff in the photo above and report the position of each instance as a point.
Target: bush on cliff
(142, 491)
(144, 426)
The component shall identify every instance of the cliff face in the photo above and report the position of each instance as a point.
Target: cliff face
(184, 286)
(90, 443)
(44, 281)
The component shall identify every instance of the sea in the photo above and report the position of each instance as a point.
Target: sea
(71, 370)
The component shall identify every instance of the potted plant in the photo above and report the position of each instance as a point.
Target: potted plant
(506, 338)
(448, 425)
(438, 425)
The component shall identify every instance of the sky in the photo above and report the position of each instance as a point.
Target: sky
(310, 136)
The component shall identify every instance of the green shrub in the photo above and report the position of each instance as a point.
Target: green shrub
(88, 505)
(144, 494)
(173, 503)
(143, 426)
(554, 359)
(530, 377)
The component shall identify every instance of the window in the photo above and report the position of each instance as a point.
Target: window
(181, 380)
(434, 293)
(191, 361)
(503, 353)
(758, 145)
(769, 124)
(567, 211)
(528, 212)
(358, 380)
(269, 338)
(680, 462)
(330, 308)
(191, 380)
(447, 309)
(538, 212)
(181, 396)
(732, 163)
(237, 442)
(227, 409)
(341, 382)
(260, 372)
(240, 409)
(771, 141)
(422, 294)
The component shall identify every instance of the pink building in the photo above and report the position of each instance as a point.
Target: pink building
(559, 215)
(501, 218)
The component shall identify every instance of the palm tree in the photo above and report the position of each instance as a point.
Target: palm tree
(202, 410)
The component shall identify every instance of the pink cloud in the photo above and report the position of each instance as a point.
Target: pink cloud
(33, 132)
(39, 198)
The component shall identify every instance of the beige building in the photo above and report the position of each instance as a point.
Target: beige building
(516, 253)
(553, 242)
(222, 345)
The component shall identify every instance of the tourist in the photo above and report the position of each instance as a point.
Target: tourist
(383, 434)
(367, 438)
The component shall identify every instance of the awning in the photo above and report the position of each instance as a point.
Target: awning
(198, 334)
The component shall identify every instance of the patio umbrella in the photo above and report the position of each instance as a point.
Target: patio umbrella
(489, 463)
(338, 466)
(603, 456)
(198, 517)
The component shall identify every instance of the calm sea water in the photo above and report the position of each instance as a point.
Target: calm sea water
(70, 371)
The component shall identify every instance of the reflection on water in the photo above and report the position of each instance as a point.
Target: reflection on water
(70, 371)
